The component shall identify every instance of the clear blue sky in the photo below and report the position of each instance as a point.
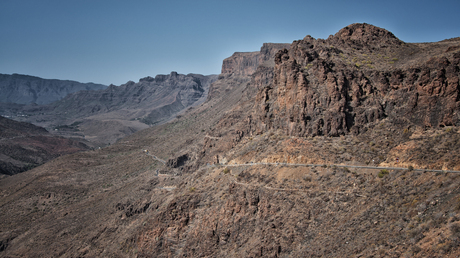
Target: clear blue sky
(117, 41)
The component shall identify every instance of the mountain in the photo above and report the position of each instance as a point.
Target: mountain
(25, 89)
(359, 76)
(151, 100)
(24, 146)
(107, 115)
(253, 172)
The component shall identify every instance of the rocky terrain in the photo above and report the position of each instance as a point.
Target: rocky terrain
(24, 146)
(343, 147)
(107, 115)
(25, 89)
(359, 76)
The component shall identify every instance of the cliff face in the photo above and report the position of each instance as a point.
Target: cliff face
(242, 63)
(24, 89)
(246, 63)
(360, 75)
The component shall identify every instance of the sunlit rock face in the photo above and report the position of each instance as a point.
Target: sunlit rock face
(360, 75)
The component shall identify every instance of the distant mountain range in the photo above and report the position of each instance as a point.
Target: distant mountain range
(26, 89)
(103, 115)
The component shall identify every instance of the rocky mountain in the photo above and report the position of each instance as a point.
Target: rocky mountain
(361, 75)
(25, 89)
(107, 115)
(24, 146)
(252, 172)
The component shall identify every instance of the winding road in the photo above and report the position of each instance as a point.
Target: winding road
(319, 165)
(155, 157)
(339, 166)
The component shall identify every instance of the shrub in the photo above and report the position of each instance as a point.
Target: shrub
(383, 173)
(226, 170)
(410, 168)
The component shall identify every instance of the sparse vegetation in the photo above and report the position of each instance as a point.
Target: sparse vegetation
(383, 173)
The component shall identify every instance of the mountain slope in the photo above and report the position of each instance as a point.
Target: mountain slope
(24, 146)
(25, 89)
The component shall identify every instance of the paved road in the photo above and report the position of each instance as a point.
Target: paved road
(339, 166)
(321, 165)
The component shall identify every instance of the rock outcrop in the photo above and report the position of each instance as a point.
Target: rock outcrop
(246, 63)
(25, 89)
(359, 76)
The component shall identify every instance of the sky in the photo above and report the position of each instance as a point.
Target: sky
(113, 42)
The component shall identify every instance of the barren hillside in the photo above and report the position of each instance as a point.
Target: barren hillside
(24, 146)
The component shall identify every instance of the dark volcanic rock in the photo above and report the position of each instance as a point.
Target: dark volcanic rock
(178, 161)
(25, 89)
(359, 76)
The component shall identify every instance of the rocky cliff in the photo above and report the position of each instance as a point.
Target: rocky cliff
(25, 89)
(359, 76)
(246, 63)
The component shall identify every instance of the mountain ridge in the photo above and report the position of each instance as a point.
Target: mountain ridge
(27, 89)
(107, 115)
